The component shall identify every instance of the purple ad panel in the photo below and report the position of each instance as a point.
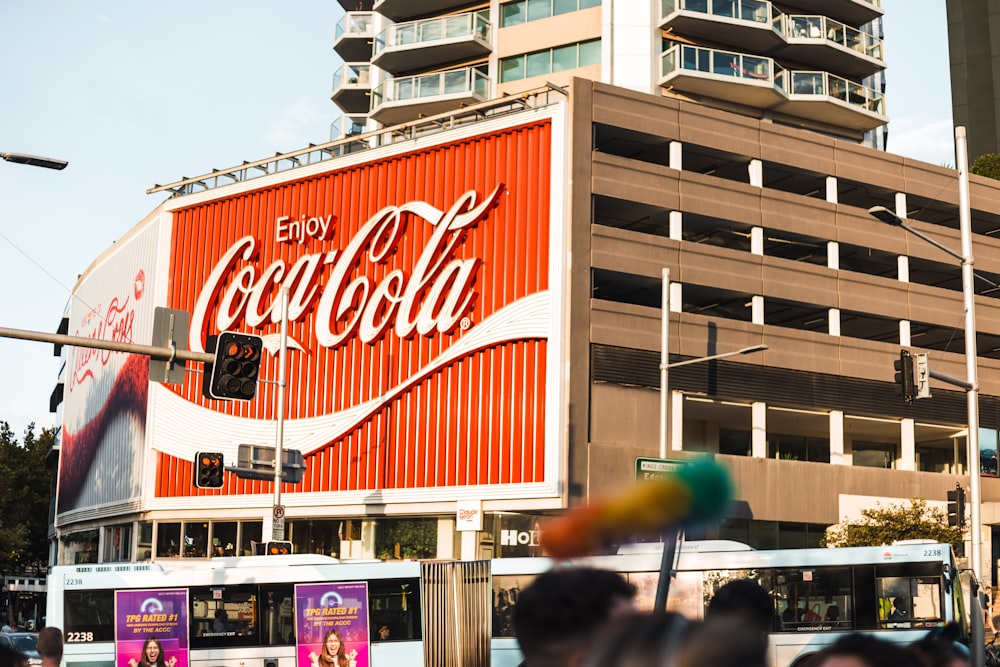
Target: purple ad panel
(331, 625)
(151, 628)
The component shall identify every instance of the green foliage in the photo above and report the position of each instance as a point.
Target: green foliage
(987, 165)
(406, 538)
(881, 526)
(25, 490)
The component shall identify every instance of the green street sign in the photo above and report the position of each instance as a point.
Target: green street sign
(647, 468)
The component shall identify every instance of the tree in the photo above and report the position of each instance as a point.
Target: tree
(25, 493)
(987, 165)
(882, 526)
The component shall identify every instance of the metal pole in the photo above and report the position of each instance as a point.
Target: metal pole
(972, 377)
(280, 436)
(664, 362)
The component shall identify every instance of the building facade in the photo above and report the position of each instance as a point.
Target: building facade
(474, 333)
(798, 63)
(975, 99)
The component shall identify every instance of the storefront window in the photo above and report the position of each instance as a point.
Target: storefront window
(168, 538)
(406, 538)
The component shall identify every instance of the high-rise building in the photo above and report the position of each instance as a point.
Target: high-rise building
(975, 94)
(815, 65)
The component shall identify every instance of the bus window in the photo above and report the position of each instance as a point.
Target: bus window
(909, 602)
(224, 616)
(89, 616)
(506, 589)
(394, 609)
(814, 599)
(277, 615)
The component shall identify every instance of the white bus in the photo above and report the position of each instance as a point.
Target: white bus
(819, 594)
(426, 613)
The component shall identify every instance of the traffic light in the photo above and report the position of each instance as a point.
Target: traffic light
(956, 507)
(905, 379)
(923, 376)
(234, 372)
(209, 470)
(278, 549)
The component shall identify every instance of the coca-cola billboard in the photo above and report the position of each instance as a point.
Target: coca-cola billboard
(424, 312)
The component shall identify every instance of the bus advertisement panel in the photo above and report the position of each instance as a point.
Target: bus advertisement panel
(151, 628)
(331, 624)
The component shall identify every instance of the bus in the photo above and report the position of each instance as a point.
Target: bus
(269, 611)
(898, 592)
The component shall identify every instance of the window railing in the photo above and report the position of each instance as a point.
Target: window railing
(452, 82)
(723, 63)
(352, 74)
(758, 11)
(474, 24)
(821, 27)
(355, 24)
(830, 85)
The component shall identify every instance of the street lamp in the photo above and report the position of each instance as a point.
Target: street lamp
(34, 160)
(972, 379)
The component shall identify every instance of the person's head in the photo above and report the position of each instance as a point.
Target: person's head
(220, 614)
(152, 650)
(560, 613)
(860, 650)
(50, 645)
(941, 647)
(383, 632)
(743, 599)
(333, 646)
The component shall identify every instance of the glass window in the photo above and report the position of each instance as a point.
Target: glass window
(590, 53)
(563, 6)
(538, 63)
(394, 609)
(506, 590)
(168, 538)
(539, 9)
(195, 540)
(224, 538)
(250, 533)
(118, 543)
(734, 443)
(278, 612)
(513, 13)
(909, 602)
(224, 616)
(587, 4)
(725, 8)
(89, 616)
(456, 81)
(817, 598)
(144, 548)
(564, 57)
(406, 538)
(798, 448)
(873, 454)
(512, 69)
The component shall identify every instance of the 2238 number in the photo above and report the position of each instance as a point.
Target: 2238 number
(78, 637)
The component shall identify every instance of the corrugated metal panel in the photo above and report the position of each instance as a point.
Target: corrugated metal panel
(784, 387)
(477, 420)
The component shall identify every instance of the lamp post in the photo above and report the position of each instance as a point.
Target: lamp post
(34, 160)
(670, 537)
(972, 379)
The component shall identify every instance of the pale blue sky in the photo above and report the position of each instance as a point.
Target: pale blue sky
(137, 93)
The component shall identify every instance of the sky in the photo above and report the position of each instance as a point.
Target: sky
(135, 94)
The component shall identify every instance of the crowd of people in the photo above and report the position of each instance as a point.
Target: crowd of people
(584, 617)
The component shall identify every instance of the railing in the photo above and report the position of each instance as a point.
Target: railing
(355, 24)
(824, 83)
(473, 24)
(821, 27)
(723, 63)
(756, 68)
(351, 74)
(451, 82)
(346, 126)
(758, 11)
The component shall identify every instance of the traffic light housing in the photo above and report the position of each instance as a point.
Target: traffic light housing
(209, 470)
(956, 507)
(278, 548)
(906, 384)
(233, 374)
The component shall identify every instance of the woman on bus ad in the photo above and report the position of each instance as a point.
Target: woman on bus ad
(333, 652)
(152, 655)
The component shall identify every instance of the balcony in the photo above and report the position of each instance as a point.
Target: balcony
(744, 22)
(405, 10)
(352, 87)
(403, 99)
(854, 12)
(356, 5)
(832, 99)
(724, 75)
(354, 35)
(430, 43)
(833, 45)
(760, 82)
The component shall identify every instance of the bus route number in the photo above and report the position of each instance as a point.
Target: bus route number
(77, 637)
(74, 582)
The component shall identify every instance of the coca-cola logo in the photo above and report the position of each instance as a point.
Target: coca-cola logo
(114, 323)
(431, 298)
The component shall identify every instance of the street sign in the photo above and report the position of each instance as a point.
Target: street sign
(647, 468)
